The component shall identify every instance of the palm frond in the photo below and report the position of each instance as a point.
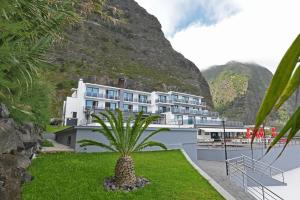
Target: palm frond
(84, 143)
(278, 83)
(106, 132)
(151, 135)
(151, 144)
(291, 87)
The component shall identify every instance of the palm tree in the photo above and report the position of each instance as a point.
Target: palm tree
(125, 138)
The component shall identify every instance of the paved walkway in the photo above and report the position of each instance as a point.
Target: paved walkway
(57, 148)
(217, 171)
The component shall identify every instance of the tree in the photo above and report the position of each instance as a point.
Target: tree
(284, 83)
(28, 28)
(125, 138)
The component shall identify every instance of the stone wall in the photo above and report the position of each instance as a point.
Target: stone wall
(18, 144)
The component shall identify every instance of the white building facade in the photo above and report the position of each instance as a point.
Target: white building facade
(174, 108)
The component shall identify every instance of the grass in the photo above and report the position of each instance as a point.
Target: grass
(47, 143)
(71, 176)
(53, 128)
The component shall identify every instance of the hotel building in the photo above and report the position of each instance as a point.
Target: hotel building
(174, 108)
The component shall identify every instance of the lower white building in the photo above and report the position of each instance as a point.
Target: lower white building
(175, 108)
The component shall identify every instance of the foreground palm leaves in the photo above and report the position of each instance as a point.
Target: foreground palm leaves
(284, 83)
(125, 138)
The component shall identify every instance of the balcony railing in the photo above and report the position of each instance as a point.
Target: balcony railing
(99, 109)
(195, 112)
(162, 101)
(105, 96)
(142, 101)
(192, 102)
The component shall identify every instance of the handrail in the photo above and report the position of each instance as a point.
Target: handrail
(265, 190)
(262, 163)
(263, 166)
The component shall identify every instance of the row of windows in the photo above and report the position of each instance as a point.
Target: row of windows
(129, 96)
(114, 93)
(113, 106)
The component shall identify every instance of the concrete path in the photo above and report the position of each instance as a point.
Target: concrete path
(57, 148)
(217, 171)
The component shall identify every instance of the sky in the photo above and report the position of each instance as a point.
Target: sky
(214, 32)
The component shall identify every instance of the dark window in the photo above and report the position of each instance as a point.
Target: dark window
(92, 92)
(69, 140)
(143, 108)
(143, 98)
(110, 106)
(74, 115)
(162, 99)
(91, 104)
(127, 107)
(128, 96)
(185, 99)
(175, 97)
(111, 94)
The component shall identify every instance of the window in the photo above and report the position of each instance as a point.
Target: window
(91, 104)
(128, 96)
(111, 94)
(199, 132)
(174, 97)
(191, 120)
(92, 92)
(127, 107)
(195, 100)
(175, 108)
(110, 106)
(74, 115)
(162, 109)
(69, 140)
(143, 98)
(162, 98)
(179, 119)
(143, 108)
(185, 99)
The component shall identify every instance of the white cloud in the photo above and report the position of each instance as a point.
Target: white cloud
(173, 12)
(260, 32)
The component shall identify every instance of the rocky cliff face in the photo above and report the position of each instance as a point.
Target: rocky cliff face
(18, 143)
(134, 47)
(238, 90)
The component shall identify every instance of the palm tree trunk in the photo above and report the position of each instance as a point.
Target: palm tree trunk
(124, 172)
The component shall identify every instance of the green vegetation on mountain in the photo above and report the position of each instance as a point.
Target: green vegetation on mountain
(134, 47)
(238, 89)
(27, 30)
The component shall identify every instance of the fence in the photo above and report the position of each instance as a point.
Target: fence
(237, 170)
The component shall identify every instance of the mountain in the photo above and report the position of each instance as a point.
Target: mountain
(238, 89)
(132, 46)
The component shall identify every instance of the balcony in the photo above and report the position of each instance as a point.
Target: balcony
(142, 101)
(93, 94)
(105, 96)
(190, 102)
(128, 99)
(195, 112)
(163, 101)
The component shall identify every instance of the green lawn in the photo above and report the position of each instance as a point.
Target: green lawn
(47, 143)
(74, 176)
(53, 128)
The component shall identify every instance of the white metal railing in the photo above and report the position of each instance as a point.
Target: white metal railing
(237, 171)
(262, 167)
